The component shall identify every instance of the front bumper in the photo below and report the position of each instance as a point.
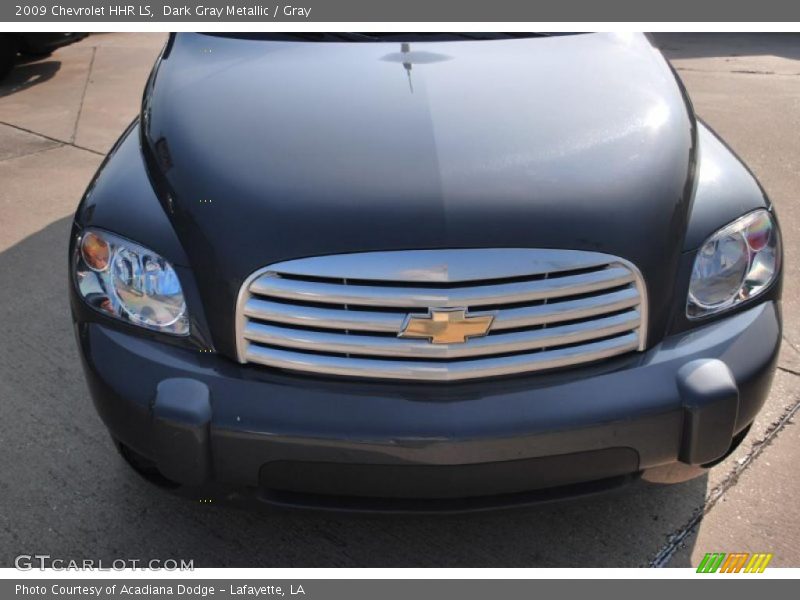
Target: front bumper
(203, 418)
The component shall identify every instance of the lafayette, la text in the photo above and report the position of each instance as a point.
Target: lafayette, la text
(149, 589)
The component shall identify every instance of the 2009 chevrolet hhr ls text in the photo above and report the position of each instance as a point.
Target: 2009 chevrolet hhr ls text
(423, 271)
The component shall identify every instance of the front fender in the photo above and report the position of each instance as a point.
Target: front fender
(121, 199)
(725, 189)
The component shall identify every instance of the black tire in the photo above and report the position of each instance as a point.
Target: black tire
(8, 54)
(35, 53)
(145, 467)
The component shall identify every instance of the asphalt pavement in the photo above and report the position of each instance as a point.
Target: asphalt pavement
(65, 492)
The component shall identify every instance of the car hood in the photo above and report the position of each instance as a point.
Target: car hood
(264, 151)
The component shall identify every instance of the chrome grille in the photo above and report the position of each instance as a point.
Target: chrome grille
(342, 314)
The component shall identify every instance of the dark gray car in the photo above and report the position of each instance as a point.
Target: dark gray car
(423, 271)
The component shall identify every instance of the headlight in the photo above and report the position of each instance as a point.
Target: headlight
(129, 282)
(735, 264)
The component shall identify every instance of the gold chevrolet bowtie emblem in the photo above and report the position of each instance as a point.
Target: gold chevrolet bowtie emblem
(446, 326)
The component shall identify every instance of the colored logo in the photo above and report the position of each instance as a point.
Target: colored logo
(737, 562)
(447, 325)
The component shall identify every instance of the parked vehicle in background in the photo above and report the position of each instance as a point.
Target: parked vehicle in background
(36, 45)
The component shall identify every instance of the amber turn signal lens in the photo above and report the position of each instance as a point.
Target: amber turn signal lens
(95, 252)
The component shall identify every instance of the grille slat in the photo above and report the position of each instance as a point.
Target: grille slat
(555, 312)
(272, 285)
(323, 318)
(341, 315)
(453, 371)
(536, 339)
(374, 320)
